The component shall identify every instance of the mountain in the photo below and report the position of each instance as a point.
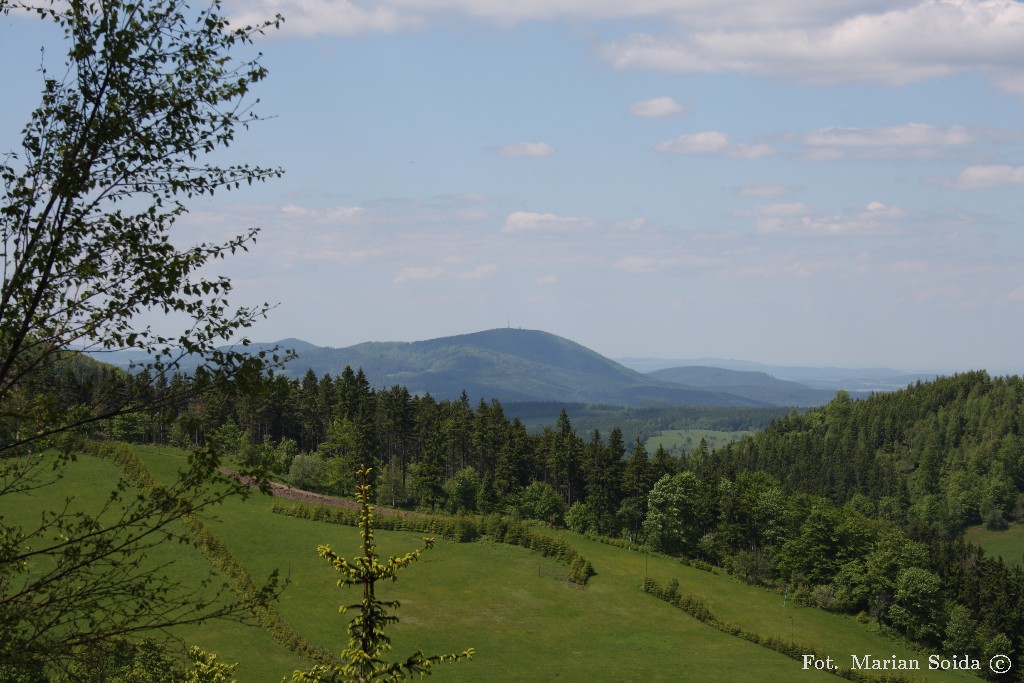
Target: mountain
(758, 386)
(516, 365)
(508, 364)
(830, 378)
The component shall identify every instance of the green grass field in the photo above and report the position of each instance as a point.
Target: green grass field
(1008, 544)
(680, 441)
(510, 604)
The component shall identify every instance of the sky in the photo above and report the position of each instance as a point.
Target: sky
(793, 182)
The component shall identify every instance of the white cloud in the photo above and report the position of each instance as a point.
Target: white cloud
(840, 41)
(633, 225)
(752, 151)
(333, 215)
(548, 280)
(713, 142)
(764, 190)
(348, 17)
(480, 272)
(913, 140)
(909, 267)
(524, 149)
(526, 221)
(637, 264)
(912, 134)
(708, 142)
(796, 218)
(929, 39)
(331, 17)
(414, 273)
(983, 177)
(657, 108)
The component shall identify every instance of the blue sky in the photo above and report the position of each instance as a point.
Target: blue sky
(789, 182)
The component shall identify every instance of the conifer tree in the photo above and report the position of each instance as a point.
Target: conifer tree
(636, 484)
(604, 477)
(363, 659)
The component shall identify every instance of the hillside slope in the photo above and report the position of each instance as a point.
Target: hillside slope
(524, 620)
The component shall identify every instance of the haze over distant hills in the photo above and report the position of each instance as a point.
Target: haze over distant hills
(759, 386)
(829, 378)
(515, 365)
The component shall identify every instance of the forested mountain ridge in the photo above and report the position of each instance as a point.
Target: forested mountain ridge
(830, 378)
(508, 364)
(876, 494)
(759, 386)
(517, 365)
(943, 454)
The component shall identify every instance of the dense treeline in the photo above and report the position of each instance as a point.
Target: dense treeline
(939, 457)
(876, 495)
(854, 507)
(427, 453)
(644, 421)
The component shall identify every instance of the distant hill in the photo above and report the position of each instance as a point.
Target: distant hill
(833, 379)
(758, 386)
(508, 364)
(516, 365)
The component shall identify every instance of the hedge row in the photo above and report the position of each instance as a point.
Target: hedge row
(618, 542)
(696, 608)
(636, 547)
(219, 555)
(461, 528)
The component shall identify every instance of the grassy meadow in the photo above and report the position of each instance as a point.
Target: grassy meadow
(512, 605)
(1007, 544)
(678, 441)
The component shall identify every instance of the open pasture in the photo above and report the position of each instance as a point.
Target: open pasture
(510, 604)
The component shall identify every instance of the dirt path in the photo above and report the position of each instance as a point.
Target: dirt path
(291, 493)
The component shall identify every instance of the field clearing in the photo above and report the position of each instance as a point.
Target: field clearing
(758, 610)
(87, 484)
(510, 604)
(683, 441)
(1007, 544)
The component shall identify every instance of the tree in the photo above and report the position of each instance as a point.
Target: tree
(604, 465)
(670, 525)
(463, 490)
(343, 449)
(117, 144)
(146, 662)
(565, 454)
(392, 484)
(89, 202)
(539, 500)
(580, 518)
(487, 497)
(811, 554)
(427, 476)
(363, 660)
(663, 463)
(961, 631)
(917, 607)
(870, 582)
(636, 484)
